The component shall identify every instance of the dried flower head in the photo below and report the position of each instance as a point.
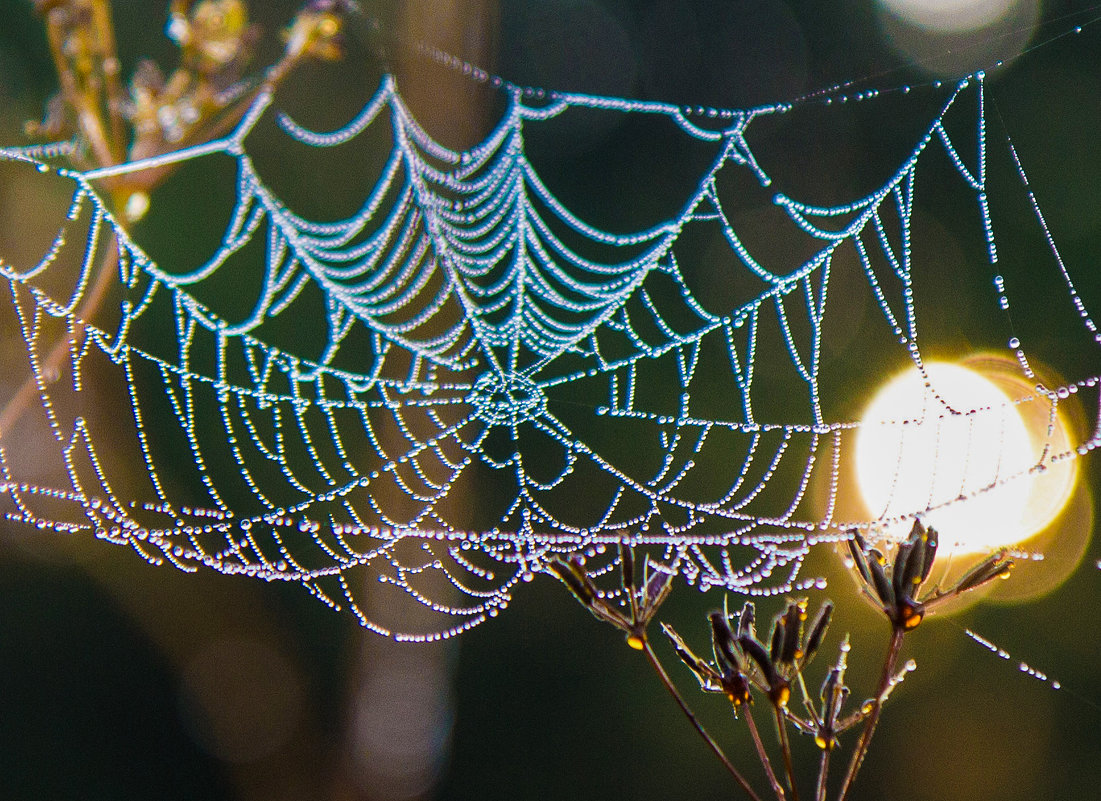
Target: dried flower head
(642, 595)
(214, 35)
(894, 585)
(197, 102)
(742, 661)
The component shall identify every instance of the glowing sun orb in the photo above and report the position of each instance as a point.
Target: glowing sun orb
(954, 37)
(963, 458)
(954, 16)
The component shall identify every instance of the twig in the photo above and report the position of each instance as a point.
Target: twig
(648, 649)
(763, 754)
(897, 634)
(823, 772)
(107, 142)
(785, 747)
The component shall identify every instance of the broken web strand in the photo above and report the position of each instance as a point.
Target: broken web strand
(506, 397)
(1026, 668)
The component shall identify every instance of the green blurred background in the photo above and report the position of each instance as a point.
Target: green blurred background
(120, 681)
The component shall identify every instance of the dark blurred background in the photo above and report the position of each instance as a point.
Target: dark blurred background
(123, 681)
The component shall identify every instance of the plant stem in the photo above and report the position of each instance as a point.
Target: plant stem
(785, 747)
(893, 649)
(823, 771)
(648, 649)
(763, 754)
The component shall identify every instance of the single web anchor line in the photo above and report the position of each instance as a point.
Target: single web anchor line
(480, 380)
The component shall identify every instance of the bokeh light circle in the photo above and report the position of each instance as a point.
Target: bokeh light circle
(954, 37)
(975, 455)
(951, 16)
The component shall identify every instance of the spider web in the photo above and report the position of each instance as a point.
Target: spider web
(464, 379)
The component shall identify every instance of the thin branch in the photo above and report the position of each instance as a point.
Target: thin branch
(109, 66)
(785, 747)
(652, 657)
(823, 772)
(897, 635)
(763, 754)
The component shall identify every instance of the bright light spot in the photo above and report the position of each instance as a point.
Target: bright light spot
(953, 37)
(963, 458)
(950, 16)
(136, 206)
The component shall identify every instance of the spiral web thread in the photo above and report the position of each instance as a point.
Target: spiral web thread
(480, 341)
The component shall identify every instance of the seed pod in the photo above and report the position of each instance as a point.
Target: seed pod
(833, 678)
(708, 678)
(627, 566)
(658, 584)
(723, 639)
(910, 575)
(857, 551)
(683, 651)
(988, 569)
(776, 640)
(898, 572)
(879, 579)
(568, 573)
(793, 631)
(757, 653)
(746, 620)
(833, 696)
(930, 553)
(818, 630)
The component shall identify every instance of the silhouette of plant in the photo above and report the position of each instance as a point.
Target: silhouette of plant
(745, 668)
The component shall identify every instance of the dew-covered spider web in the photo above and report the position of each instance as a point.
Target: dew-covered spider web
(465, 377)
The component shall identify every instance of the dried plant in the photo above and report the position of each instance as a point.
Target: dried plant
(106, 123)
(746, 669)
(110, 123)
